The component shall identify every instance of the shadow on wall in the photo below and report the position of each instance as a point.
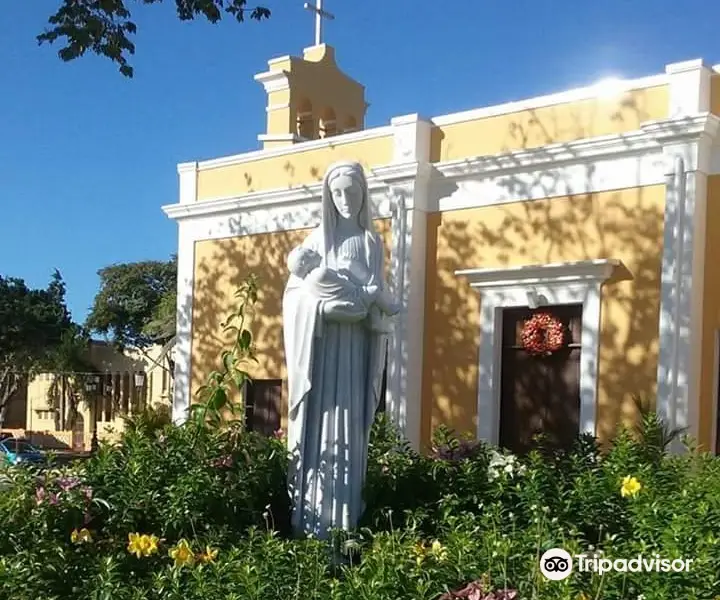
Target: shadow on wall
(604, 115)
(220, 267)
(569, 225)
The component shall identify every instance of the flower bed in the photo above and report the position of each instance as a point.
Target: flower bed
(181, 513)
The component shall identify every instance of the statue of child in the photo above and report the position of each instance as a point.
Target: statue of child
(355, 298)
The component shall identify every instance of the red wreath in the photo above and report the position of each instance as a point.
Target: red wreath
(542, 335)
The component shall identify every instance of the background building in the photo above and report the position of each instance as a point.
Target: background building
(61, 410)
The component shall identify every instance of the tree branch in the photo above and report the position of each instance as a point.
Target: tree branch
(9, 383)
(104, 28)
(163, 353)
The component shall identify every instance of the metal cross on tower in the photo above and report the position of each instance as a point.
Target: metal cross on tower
(319, 15)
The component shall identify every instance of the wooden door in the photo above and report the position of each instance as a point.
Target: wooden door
(263, 403)
(539, 395)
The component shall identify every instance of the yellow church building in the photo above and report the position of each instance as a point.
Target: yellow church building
(599, 206)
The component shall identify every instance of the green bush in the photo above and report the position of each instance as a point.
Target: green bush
(464, 515)
(200, 511)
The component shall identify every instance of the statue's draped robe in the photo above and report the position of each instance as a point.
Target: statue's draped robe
(334, 380)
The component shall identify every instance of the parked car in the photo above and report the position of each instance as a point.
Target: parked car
(18, 451)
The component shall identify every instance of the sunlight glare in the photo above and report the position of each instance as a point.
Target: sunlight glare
(609, 87)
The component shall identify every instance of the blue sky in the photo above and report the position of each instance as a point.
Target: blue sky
(87, 157)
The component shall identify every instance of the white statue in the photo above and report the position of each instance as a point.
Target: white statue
(335, 311)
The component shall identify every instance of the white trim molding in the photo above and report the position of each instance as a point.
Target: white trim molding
(680, 327)
(689, 84)
(407, 181)
(274, 81)
(292, 138)
(633, 159)
(187, 174)
(562, 283)
(184, 321)
(278, 209)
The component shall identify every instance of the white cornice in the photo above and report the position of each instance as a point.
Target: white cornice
(650, 138)
(336, 140)
(274, 81)
(681, 129)
(280, 137)
(586, 271)
(271, 199)
(686, 65)
(574, 95)
(400, 173)
(647, 141)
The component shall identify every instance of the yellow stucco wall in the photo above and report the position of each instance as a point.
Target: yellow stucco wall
(715, 94)
(711, 312)
(220, 267)
(549, 125)
(625, 224)
(289, 170)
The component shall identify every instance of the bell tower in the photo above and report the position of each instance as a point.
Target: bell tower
(310, 98)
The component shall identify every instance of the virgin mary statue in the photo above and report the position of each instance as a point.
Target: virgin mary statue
(335, 359)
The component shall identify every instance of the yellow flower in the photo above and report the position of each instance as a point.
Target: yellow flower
(208, 556)
(438, 550)
(142, 544)
(182, 554)
(81, 536)
(630, 486)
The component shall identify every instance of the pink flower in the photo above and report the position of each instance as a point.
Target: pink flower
(40, 495)
(68, 483)
(53, 499)
(279, 434)
(223, 462)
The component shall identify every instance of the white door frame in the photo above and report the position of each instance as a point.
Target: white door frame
(552, 284)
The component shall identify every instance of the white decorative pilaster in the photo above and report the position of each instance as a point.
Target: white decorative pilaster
(687, 163)
(408, 265)
(185, 275)
(689, 88)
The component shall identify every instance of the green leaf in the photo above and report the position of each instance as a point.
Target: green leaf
(246, 340)
(218, 399)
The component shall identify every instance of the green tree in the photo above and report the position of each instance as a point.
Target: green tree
(71, 362)
(32, 325)
(104, 27)
(135, 306)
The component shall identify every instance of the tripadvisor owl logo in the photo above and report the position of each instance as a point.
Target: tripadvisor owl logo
(556, 564)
